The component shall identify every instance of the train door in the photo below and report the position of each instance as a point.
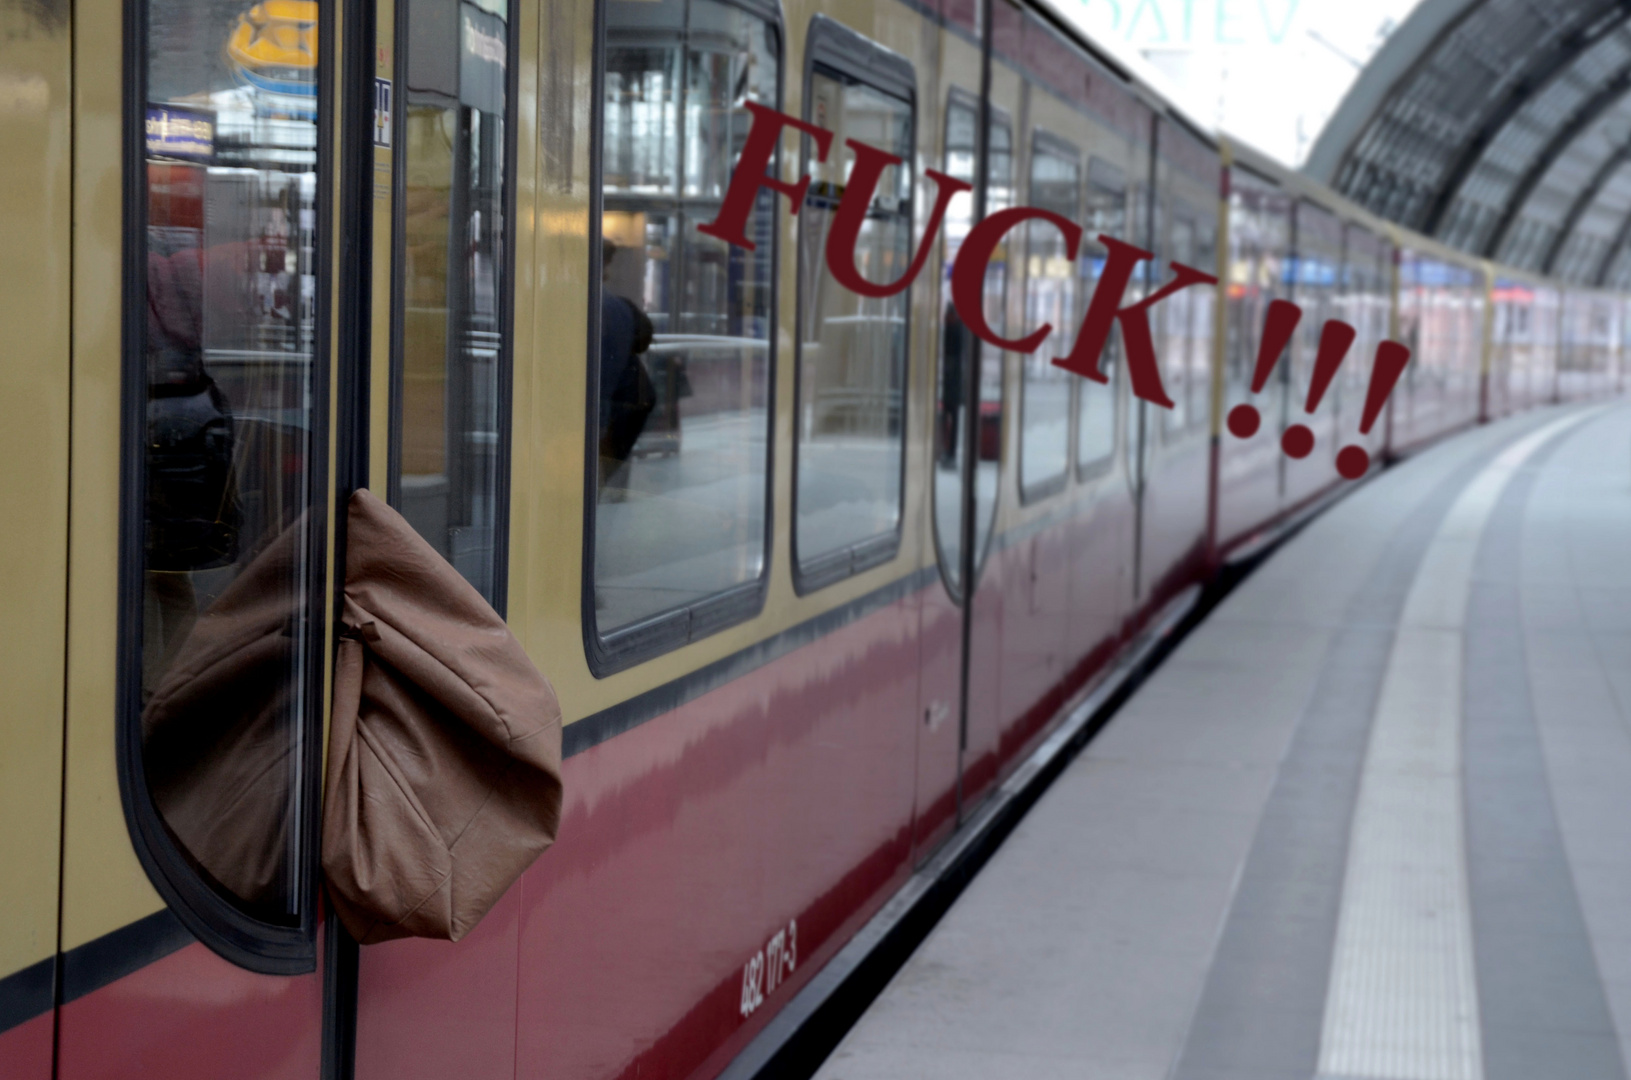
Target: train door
(1147, 226)
(1176, 455)
(983, 558)
(941, 621)
(1259, 244)
(35, 188)
(960, 658)
(200, 547)
(967, 416)
(1314, 288)
(439, 377)
(289, 283)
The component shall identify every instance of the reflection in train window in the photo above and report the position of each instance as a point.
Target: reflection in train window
(852, 349)
(958, 346)
(1096, 403)
(1051, 296)
(452, 364)
(1364, 304)
(1259, 241)
(1203, 324)
(683, 321)
(1314, 281)
(1186, 325)
(1174, 346)
(230, 382)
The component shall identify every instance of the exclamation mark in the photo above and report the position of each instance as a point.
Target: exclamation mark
(1335, 338)
(1391, 358)
(1278, 326)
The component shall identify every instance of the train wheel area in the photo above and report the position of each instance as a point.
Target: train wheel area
(1369, 818)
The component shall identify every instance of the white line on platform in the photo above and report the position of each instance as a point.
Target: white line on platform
(1403, 1001)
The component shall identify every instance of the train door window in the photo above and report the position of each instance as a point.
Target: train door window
(852, 349)
(223, 525)
(451, 357)
(1051, 297)
(1202, 324)
(1096, 402)
(958, 346)
(1177, 323)
(682, 325)
(1365, 306)
(999, 195)
(1314, 282)
(957, 343)
(1259, 239)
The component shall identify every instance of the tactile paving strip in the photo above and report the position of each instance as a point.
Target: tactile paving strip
(1403, 1001)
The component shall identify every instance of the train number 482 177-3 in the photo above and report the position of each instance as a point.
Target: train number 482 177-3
(769, 967)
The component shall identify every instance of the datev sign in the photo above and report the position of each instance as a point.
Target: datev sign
(968, 272)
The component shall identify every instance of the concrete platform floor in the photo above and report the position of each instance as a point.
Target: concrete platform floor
(1372, 818)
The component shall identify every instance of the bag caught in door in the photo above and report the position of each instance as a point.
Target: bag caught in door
(444, 762)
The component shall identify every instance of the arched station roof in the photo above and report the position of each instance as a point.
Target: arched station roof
(1501, 127)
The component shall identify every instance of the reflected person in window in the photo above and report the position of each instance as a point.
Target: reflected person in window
(191, 512)
(956, 352)
(627, 394)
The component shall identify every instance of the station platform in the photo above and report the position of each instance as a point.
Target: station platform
(1371, 818)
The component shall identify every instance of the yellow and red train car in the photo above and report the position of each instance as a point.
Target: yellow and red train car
(809, 571)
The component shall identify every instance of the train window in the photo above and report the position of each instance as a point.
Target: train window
(959, 348)
(957, 344)
(1143, 223)
(1203, 325)
(1314, 282)
(449, 459)
(1096, 403)
(1259, 240)
(1051, 296)
(851, 350)
(223, 523)
(683, 325)
(1177, 324)
(1187, 325)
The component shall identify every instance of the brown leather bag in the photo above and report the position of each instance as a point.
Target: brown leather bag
(444, 761)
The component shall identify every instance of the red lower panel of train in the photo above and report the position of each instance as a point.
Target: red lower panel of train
(194, 1016)
(25, 1050)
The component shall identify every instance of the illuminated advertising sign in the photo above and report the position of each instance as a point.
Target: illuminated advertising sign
(181, 133)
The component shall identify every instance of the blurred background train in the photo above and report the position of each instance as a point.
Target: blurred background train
(809, 572)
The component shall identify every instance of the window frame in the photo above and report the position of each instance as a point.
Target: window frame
(1043, 490)
(849, 54)
(251, 943)
(648, 638)
(396, 361)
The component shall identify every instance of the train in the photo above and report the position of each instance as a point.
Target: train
(810, 572)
